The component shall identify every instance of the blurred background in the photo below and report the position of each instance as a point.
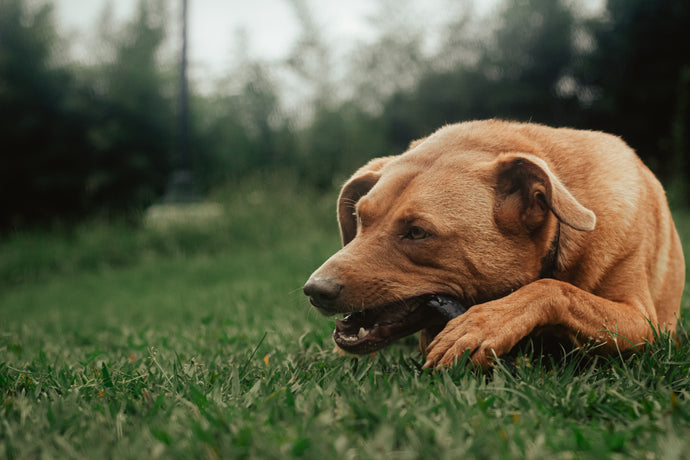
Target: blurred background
(90, 90)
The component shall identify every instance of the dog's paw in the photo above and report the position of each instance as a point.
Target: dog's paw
(486, 331)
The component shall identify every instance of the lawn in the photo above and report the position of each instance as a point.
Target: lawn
(196, 342)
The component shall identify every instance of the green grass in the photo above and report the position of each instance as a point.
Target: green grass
(197, 343)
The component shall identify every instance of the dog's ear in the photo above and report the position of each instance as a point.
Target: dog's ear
(528, 189)
(355, 188)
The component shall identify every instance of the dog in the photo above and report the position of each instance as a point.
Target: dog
(537, 230)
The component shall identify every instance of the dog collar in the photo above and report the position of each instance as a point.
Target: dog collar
(550, 261)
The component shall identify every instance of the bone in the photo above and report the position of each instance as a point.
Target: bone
(449, 307)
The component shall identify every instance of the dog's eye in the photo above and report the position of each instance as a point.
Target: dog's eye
(416, 233)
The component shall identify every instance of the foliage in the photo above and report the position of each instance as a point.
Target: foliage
(45, 161)
(130, 133)
(99, 138)
(196, 341)
(78, 140)
(640, 71)
(241, 129)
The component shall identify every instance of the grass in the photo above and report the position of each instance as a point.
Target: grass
(197, 343)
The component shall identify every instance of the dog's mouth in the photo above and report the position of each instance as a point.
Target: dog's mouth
(371, 329)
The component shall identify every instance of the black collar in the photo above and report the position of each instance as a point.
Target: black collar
(550, 261)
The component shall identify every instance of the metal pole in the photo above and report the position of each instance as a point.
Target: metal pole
(181, 186)
(183, 126)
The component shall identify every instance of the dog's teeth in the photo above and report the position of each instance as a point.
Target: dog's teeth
(362, 333)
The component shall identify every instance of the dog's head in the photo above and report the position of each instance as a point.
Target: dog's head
(447, 218)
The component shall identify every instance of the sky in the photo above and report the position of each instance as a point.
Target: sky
(270, 26)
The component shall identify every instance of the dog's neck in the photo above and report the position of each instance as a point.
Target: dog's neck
(550, 261)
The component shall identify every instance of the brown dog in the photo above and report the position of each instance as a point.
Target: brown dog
(536, 229)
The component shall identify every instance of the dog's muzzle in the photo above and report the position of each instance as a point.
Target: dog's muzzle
(374, 327)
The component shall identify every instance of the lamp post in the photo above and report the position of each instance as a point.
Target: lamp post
(181, 204)
(181, 185)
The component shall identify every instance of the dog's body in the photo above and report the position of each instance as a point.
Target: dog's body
(536, 228)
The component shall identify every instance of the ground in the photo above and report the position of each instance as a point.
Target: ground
(196, 341)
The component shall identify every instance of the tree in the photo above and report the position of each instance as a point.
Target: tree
(310, 58)
(394, 62)
(513, 74)
(639, 72)
(45, 160)
(131, 130)
(532, 51)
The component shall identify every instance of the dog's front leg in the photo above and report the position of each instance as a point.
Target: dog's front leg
(493, 328)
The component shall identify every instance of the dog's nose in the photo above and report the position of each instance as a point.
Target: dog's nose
(322, 291)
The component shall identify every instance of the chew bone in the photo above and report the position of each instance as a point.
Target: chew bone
(449, 307)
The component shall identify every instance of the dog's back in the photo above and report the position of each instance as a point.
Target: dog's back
(634, 241)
